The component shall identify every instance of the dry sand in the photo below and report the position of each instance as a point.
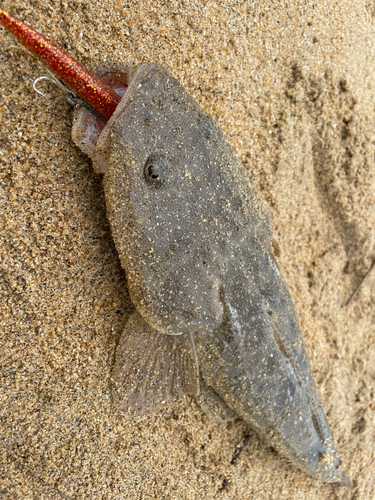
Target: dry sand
(292, 85)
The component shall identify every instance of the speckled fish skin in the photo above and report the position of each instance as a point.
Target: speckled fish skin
(195, 241)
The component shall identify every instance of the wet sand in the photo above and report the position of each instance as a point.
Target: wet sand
(292, 85)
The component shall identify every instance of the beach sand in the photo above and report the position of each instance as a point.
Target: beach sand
(292, 84)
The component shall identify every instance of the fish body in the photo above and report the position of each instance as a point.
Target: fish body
(195, 241)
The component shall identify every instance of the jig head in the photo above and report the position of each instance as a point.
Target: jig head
(82, 83)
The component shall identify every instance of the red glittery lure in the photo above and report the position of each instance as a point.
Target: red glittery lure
(99, 96)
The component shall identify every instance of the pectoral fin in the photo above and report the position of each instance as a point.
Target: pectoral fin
(151, 368)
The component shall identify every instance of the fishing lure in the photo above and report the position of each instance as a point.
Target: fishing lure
(195, 241)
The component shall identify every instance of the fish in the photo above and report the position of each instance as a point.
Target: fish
(195, 241)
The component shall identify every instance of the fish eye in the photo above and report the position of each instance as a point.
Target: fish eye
(156, 170)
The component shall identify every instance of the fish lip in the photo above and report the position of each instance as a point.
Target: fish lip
(89, 133)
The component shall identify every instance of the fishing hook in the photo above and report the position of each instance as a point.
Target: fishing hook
(69, 94)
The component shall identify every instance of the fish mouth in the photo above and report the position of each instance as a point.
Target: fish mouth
(87, 128)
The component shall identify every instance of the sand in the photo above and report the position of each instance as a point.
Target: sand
(292, 85)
